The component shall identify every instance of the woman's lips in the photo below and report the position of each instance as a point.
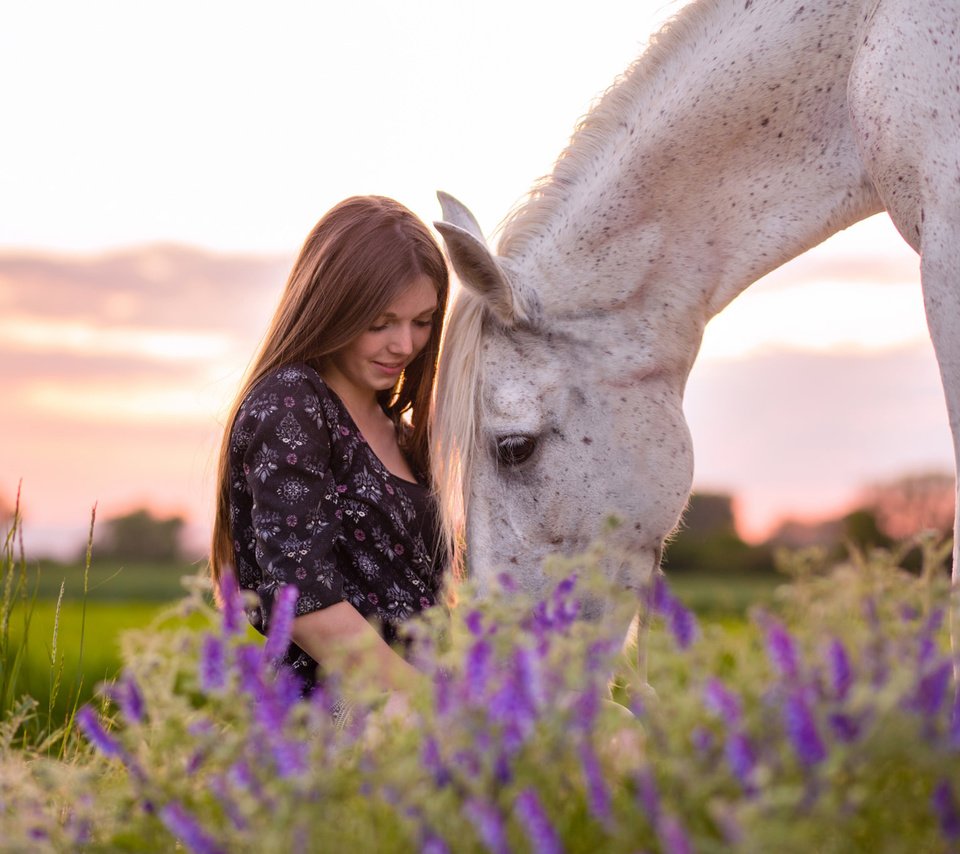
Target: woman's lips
(390, 369)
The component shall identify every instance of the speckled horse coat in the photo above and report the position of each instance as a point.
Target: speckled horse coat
(748, 132)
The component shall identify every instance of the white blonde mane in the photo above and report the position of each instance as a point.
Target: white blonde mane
(596, 129)
(454, 433)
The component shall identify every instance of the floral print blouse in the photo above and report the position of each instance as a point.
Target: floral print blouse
(312, 505)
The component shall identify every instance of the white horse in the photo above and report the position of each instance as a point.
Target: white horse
(748, 132)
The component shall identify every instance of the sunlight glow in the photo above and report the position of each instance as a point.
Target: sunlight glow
(819, 316)
(118, 404)
(50, 335)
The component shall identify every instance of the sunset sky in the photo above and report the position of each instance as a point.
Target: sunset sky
(162, 164)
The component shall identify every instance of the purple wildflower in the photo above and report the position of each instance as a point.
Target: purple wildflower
(672, 836)
(722, 701)
(565, 587)
(845, 727)
(513, 705)
(196, 759)
(442, 692)
(233, 615)
(702, 740)
(931, 690)
(947, 810)
(213, 664)
(433, 844)
(240, 777)
(648, 795)
(908, 613)
(432, 761)
(281, 623)
(474, 623)
(683, 625)
(187, 829)
(742, 759)
(488, 823)
(288, 757)
(597, 795)
(530, 675)
(478, 669)
(468, 761)
(802, 730)
(781, 649)
(927, 638)
(543, 838)
(287, 688)
(104, 742)
(126, 693)
(586, 708)
(841, 674)
(249, 660)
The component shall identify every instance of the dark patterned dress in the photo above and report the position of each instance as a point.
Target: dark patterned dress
(312, 505)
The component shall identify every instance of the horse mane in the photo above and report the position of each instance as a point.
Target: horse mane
(454, 430)
(594, 133)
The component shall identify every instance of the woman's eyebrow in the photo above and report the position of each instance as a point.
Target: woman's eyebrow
(390, 314)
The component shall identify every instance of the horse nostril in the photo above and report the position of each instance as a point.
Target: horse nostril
(556, 541)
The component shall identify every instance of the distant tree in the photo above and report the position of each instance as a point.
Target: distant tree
(707, 540)
(912, 503)
(140, 536)
(709, 513)
(795, 534)
(862, 529)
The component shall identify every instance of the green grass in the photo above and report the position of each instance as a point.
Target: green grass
(103, 624)
(725, 597)
(112, 580)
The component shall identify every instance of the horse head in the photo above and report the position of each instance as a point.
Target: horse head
(557, 407)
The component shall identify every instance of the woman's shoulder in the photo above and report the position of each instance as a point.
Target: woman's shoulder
(294, 386)
(296, 378)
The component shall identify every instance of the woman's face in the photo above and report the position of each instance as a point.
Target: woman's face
(374, 360)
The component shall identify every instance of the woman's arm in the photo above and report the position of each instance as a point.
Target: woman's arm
(341, 639)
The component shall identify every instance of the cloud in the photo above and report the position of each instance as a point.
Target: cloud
(164, 286)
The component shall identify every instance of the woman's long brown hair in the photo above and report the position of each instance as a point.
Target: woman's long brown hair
(356, 261)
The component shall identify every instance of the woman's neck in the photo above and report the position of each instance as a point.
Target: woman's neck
(364, 408)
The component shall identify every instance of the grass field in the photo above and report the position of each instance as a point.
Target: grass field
(86, 650)
(111, 581)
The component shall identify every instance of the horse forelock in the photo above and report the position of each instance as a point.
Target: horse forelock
(610, 116)
(455, 426)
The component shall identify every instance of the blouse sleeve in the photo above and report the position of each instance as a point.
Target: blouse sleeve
(295, 514)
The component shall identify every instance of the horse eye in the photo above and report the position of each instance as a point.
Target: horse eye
(514, 450)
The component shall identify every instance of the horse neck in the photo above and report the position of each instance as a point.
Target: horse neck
(715, 160)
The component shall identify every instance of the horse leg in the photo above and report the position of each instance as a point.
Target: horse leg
(940, 272)
(904, 96)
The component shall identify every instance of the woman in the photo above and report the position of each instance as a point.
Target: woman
(321, 484)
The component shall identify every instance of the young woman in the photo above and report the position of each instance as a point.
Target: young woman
(322, 485)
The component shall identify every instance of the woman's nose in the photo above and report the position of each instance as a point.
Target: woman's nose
(401, 342)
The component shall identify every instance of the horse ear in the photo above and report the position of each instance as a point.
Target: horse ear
(457, 213)
(481, 272)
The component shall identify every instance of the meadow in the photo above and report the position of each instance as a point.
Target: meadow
(814, 711)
